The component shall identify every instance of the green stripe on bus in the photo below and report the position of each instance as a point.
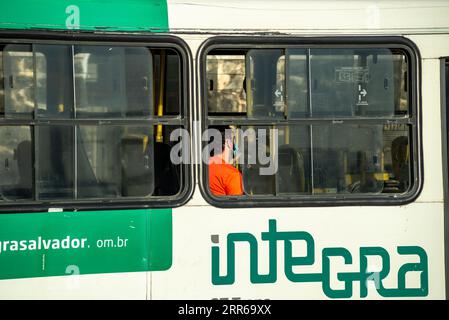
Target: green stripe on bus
(113, 15)
(88, 242)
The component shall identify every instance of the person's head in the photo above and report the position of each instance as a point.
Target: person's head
(226, 147)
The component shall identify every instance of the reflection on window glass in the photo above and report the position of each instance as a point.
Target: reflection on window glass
(110, 82)
(16, 166)
(113, 81)
(276, 83)
(225, 77)
(57, 74)
(20, 81)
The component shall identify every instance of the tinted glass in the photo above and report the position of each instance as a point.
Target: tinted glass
(16, 163)
(115, 161)
(297, 78)
(357, 82)
(113, 82)
(329, 159)
(265, 71)
(57, 74)
(20, 81)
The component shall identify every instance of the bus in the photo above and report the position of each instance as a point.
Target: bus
(337, 112)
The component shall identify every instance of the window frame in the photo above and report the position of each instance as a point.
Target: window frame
(153, 41)
(343, 42)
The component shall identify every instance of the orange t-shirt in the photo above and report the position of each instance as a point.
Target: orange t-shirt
(224, 179)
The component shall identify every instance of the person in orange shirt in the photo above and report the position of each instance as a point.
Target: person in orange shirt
(224, 179)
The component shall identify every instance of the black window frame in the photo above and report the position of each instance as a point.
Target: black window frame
(154, 41)
(343, 42)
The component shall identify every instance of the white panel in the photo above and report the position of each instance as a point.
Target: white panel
(431, 128)
(309, 16)
(95, 286)
(347, 227)
(432, 45)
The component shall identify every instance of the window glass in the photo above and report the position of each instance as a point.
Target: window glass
(168, 97)
(16, 166)
(327, 159)
(356, 82)
(266, 89)
(23, 89)
(107, 162)
(57, 74)
(297, 78)
(168, 180)
(257, 154)
(115, 161)
(360, 159)
(2, 85)
(113, 82)
(226, 86)
(275, 83)
(55, 162)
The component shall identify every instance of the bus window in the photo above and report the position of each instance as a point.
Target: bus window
(113, 81)
(93, 124)
(330, 109)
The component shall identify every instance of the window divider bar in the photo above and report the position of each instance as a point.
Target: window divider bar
(35, 108)
(75, 140)
(312, 178)
(309, 82)
(95, 122)
(310, 121)
(34, 139)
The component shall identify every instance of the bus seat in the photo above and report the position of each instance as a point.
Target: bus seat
(24, 187)
(23, 155)
(256, 184)
(167, 180)
(137, 168)
(400, 161)
(291, 177)
(25, 164)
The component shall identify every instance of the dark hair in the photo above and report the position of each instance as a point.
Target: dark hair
(222, 129)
